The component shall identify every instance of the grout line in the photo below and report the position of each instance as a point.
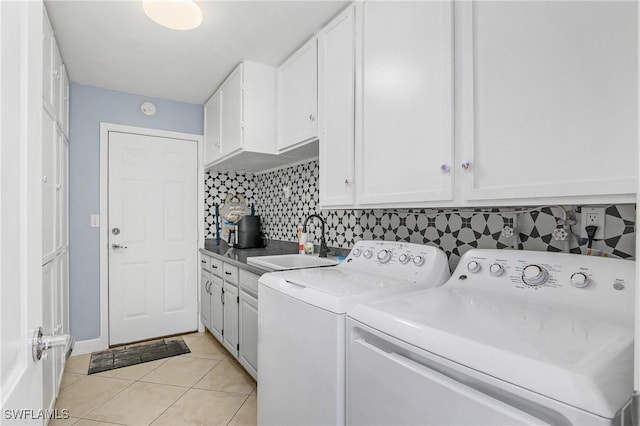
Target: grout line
(238, 410)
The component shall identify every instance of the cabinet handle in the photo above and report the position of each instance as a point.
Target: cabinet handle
(312, 117)
(214, 266)
(466, 166)
(445, 168)
(44, 179)
(227, 273)
(203, 261)
(347, 182)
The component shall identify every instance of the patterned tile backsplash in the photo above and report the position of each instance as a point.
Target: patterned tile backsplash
(454, 231)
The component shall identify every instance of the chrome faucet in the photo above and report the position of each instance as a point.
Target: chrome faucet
(324, 250)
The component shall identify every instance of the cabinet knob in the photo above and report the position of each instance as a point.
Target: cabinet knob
(445, 168)
(58, 187)
(466, 166)
(312, 117)
(347, 182)
(56, 74)
(44, 179)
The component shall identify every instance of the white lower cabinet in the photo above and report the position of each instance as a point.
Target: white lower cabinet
(229, 309)
(230, 334)
(248, 337)
(216, 317)
(205, 298)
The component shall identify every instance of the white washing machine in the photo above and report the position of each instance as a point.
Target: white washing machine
(301, 326)
(514, 337)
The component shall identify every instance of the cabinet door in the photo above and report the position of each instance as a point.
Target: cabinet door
(205, 299)
(57, 78)
(47, 64)
(298, 97)
(549, 98)
(232, 119)
(216, 319)
(61, 237)
(404, 137)
(64, 284)
(212, 128)
(49, 361)
(60, 305)
(336, 80)
(49, 166)
(64, 101)
(230, 336)
(248, 334)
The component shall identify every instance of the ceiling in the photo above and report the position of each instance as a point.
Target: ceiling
(114, 45)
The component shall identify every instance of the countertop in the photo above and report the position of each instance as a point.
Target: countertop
(238, 257)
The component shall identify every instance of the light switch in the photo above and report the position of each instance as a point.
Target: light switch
(95, 221)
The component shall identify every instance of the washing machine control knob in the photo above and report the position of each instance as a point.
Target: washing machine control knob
(418, 260)
(384, 256)
(356, 252)
(496, 269)
(534, 275)
(579, 279)
(474, 266)
(404, 258)
(367, 254)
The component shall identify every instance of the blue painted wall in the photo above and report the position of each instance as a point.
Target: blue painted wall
(90, 106)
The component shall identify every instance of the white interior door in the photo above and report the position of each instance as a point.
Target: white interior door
(153, 218)
(20, 209)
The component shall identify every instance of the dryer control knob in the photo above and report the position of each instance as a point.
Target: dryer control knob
(534, 275)
(418, 260)
(474, 266)
(384, 256)
(356, 252)
(367, 254)
(496, 269)
(403, 258)
(579, 280)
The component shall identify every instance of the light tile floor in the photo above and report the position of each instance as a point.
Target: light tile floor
(204, 387)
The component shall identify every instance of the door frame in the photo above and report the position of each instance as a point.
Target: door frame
(102, 342)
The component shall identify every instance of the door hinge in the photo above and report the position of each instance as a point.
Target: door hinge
(222, 331)
(238, 346)
(238, 299)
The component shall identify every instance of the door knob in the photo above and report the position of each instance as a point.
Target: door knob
(118, 246)
(42, 343)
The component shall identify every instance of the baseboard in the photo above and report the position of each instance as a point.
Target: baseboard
(87, 346)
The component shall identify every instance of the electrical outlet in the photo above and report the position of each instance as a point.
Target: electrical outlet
(592, 216)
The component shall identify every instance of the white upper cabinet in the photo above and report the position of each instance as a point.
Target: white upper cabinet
(48, 77)
(231, 107)
(298, 97)
(336, 85)
(55, 83)
(63, 103)
(547, 100)
(247, 123)
(404, 127)
(212, 128)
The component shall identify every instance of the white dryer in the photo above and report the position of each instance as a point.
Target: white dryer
(301, 326)
(514, 337)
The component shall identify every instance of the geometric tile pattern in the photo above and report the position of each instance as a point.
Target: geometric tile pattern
(285, 197)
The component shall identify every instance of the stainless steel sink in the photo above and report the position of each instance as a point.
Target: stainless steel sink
(289, 261)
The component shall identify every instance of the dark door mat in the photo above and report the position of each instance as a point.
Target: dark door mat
(138, 353)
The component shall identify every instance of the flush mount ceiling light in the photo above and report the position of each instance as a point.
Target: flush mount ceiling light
(174, 14)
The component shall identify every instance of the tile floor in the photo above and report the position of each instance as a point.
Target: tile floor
(204, 387)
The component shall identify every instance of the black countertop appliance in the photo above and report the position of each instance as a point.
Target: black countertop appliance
(249, 235)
